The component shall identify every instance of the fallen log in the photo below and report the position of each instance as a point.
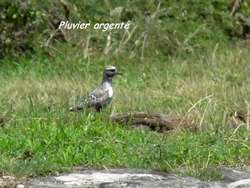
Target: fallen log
(155, 121)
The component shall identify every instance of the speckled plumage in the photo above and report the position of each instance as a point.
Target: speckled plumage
(100, 96)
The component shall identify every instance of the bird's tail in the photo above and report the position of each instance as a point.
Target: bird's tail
(79, 106)
(76, 108)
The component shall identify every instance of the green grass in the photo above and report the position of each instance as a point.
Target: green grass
(42, 137)
(60, 141)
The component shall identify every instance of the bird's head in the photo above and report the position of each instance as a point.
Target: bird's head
(110, 71)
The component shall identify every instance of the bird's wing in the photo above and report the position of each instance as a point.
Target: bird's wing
(99, 96)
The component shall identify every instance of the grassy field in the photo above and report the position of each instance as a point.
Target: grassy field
(43, 137)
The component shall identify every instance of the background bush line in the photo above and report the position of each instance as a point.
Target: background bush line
(158, 28)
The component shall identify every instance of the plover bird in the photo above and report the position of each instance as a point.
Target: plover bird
(102, 95)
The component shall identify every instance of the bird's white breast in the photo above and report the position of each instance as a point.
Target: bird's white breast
(109, 88)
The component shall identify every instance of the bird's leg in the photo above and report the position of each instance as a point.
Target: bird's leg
(98, 108)
(111, 109)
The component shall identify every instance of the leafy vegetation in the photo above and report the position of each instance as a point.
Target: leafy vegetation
(182, 27)
(180, 60)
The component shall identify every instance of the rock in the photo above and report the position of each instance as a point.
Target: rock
(231, 175)
(121, 178)
(238, 178)
(245, 183)
(20, 186)
(130, 178)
